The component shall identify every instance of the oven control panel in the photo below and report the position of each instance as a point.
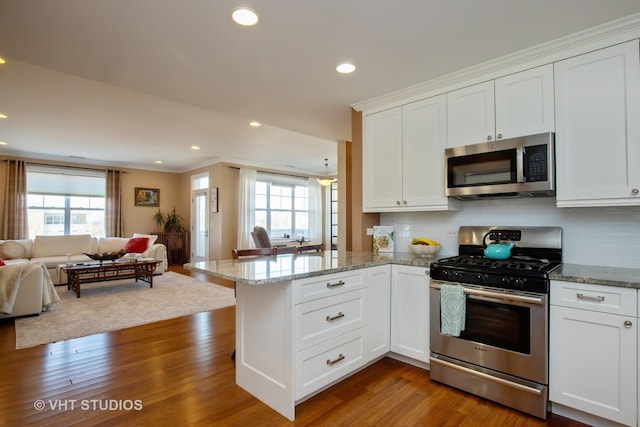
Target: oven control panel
(522, 282)
(502, 235)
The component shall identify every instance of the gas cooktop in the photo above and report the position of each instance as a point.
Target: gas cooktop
(537, 251)
(511, 265)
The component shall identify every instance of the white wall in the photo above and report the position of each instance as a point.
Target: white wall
(594, 236)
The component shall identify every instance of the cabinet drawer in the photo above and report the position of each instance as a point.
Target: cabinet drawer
(322, 319)
(319, 366)
(329, 284)
(586, 296)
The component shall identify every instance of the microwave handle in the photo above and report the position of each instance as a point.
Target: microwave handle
(520, 151)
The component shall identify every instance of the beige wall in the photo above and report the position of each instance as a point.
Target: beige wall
(137, 219)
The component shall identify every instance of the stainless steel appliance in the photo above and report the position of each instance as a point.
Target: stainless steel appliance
(502, 353)
(516, 167)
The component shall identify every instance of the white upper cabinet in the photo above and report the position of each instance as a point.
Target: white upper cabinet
(515, 105)
(382, 160)
(471, 114)
(403, 153)
(598, 127)
(524, 103)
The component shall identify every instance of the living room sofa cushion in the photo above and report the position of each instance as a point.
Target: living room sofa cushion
(9, 245)
(12, 250)
(47, 246)
(152, 238)
(111, 244)
(137, 245)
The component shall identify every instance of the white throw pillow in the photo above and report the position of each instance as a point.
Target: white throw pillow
(152, 238)
(12, 250)
(110, 244)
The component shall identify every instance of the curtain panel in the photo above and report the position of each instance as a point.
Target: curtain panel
(15, 223)
(246, 208)
(113, 203)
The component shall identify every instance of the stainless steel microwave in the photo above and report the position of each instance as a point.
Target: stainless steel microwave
(516, 167)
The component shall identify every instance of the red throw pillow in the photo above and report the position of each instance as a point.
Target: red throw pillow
(137, 245)
(2, 262)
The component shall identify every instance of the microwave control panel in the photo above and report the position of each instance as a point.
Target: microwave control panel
(535, 163)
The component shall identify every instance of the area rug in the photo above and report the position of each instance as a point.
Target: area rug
(109, 306)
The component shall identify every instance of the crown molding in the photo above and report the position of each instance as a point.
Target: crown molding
(608, 34)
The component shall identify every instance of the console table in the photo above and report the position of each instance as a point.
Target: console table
(109, 270)
(177, 243)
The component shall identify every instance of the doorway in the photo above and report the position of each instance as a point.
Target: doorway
(200, 217)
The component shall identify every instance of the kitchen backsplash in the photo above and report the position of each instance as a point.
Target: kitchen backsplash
(594, 236)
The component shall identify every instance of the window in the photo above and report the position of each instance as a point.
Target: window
(65, 201)
(282, 207)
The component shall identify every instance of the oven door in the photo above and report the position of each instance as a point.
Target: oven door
(504, 331)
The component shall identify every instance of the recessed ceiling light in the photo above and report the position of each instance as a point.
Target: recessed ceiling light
(255, 124)
(195, 147)
(159, 162)
(3, 143)
(346, 68)
(245, 16)
(2, 116)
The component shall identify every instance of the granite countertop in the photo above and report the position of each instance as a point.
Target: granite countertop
(262, 271)
(599, 275)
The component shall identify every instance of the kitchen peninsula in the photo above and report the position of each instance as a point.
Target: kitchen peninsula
(304, 322)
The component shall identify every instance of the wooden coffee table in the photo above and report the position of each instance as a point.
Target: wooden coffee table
(78, 274)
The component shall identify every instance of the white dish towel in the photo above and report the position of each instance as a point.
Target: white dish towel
(452, 310)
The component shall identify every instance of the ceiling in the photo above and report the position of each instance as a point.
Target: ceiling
(128, 82)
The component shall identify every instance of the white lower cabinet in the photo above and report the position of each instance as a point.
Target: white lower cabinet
(593, 351)
(378, 312)
(410, 312)
(319, 366)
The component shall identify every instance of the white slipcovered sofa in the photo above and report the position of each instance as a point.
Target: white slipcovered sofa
(25, 289)
(31, 288)
(52, 251)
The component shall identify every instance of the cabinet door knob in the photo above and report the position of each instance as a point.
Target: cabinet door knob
(499, 136)
(404, 202)
(398, 202)
(489, 138)
(627, 324)
(634, 191)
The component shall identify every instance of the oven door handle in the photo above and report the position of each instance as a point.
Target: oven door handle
(499, 296)
(488, 377)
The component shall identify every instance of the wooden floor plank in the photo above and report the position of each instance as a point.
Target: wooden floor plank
(181, 371)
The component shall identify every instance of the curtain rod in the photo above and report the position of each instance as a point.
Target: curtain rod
(65, 166)
(274, 173)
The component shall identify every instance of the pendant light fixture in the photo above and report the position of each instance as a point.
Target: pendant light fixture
(327, 179)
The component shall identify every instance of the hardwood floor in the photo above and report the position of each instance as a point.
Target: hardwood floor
(179, 372)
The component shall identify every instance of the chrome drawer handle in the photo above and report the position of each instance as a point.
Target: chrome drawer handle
(333, 362)
(333, 285)
(598, 298)
(339, 315)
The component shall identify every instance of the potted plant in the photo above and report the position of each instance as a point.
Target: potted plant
(158, 219)
(170, 222)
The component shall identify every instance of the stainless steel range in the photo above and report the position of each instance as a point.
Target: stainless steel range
(502, 352)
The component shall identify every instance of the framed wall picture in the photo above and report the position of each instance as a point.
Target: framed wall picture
(147, 197)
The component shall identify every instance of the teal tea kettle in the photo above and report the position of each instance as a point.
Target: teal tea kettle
(496, 250)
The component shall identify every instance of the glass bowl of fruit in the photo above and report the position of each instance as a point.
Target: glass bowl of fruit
(424, 247)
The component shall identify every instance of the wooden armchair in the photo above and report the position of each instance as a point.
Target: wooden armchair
(310, 248)
(258, 252)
